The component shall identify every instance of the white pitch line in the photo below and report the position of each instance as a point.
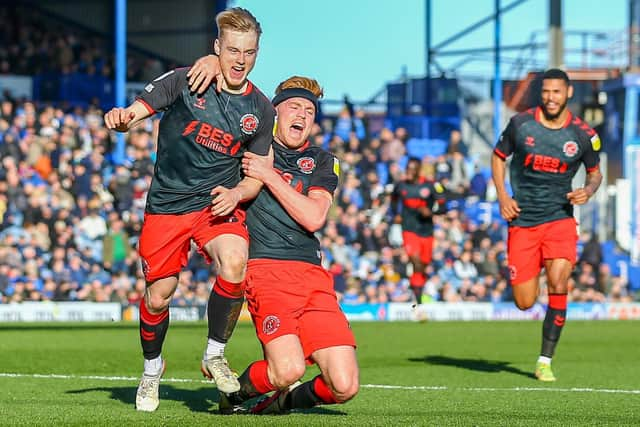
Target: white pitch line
(378, 386)
(565, 390)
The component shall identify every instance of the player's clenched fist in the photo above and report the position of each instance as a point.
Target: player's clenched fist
(119, 119)
(579, 196)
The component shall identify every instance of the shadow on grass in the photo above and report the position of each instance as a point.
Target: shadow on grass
(200, 400)
(480, 365)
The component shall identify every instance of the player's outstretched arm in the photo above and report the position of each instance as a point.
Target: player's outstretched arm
(203, 72)
(123, 119)
(509, 208)
(580, 196)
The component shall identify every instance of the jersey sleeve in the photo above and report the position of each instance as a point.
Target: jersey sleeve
(591, 153)
(261, 141)
(507, 142)
(325, 176)
(163, 90)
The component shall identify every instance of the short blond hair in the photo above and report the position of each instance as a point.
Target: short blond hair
(297, 82)
(237, 19)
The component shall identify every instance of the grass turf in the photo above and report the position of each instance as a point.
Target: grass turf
(449, 373)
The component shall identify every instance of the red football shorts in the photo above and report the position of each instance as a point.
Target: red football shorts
(416, 245)
(295, 297)
(165, 239)
(528, 247)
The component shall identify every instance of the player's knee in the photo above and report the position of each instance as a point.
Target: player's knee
(345, 389)
(525, 303)
(233, 265)
(156, 303)
(287, 374)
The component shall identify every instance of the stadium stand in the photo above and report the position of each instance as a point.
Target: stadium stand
(70, 217)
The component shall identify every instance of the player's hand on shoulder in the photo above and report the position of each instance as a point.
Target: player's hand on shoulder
(578, 196)
(509, 208)
(257, 166)
(203, 72)
(118, 119)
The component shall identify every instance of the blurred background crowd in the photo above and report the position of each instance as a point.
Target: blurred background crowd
(70, 218)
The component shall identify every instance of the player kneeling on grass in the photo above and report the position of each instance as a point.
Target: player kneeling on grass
(290, 295)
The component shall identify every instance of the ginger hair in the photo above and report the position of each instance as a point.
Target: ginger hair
(297, 82)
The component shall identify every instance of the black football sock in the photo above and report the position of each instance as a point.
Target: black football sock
(223, 309)
(153, 330)
(310, 394)
(254, 382)
(553, 323)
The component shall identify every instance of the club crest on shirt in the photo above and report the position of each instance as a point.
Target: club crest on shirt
(570, 148)
(249, 124)
(424, 193)
(306, 164)
(270, 324)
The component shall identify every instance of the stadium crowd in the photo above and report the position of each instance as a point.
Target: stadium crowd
(70, 217)
(31, 43)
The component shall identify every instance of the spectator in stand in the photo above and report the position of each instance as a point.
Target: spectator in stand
(478, 184)
(456, 145)
(116, 247)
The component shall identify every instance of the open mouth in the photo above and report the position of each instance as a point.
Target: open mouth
(237, 72)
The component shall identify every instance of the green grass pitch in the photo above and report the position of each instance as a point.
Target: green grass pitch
(412, 374)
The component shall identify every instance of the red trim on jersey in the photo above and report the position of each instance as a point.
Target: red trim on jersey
(304, 146)
(536, 114)
(146, 105)
(593, 169)
(500, 154)
(414, 203)
(248, 89)
(566, 123)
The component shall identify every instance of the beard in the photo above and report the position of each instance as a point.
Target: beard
(549, 116)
